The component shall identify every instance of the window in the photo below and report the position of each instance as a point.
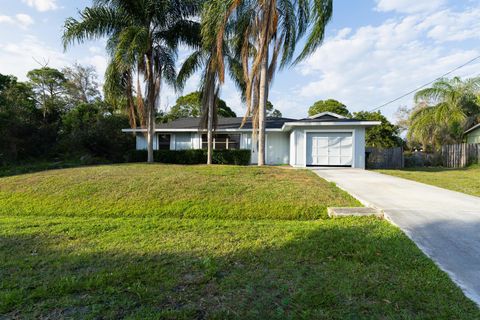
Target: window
(163, 142)
(223, 141)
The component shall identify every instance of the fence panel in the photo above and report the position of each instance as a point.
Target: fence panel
(378, 158)
(460, 155)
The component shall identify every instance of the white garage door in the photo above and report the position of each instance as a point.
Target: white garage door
(329, 149)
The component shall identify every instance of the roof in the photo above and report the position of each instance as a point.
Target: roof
(223, 123)
(276, 124)
(475, 127)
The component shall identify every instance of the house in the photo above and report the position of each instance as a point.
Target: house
(472, 135)
(326, 139)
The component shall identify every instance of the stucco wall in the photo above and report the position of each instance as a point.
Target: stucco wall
(298, 138)
(474, 136)
(277, 147)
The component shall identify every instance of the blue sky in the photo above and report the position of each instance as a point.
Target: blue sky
(374, 51)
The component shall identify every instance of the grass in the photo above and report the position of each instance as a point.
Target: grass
(172, 191)
(57, 261)
(464, 180)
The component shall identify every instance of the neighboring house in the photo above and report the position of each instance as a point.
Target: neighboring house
(326, 139)
(473, 134)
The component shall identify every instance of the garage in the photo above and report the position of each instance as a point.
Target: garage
(330, 149)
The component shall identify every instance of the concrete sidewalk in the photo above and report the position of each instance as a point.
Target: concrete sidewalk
(444, 224)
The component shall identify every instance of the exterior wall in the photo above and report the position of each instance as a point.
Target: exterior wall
(183, 141)
(277, 148)
(474, 136)
(141, 142)
(299, 144)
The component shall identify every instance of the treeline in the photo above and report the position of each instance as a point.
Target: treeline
(60, 114)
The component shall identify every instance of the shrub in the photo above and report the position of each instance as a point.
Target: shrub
(236, 157)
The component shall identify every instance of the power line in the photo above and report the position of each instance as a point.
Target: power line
(426, 84)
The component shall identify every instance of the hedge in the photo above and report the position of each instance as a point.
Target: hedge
(237, 157)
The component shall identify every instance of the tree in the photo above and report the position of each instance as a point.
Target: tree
(143, 38)
(272, 112)
(49, 84)
(190, 105)
(329, 105)
(81, 83)
(267, 29)
(444, 111)
(386, 135)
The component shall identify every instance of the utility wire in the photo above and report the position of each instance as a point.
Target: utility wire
(426, 84)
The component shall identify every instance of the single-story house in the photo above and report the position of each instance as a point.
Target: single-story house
(472, 135)
(326, 139)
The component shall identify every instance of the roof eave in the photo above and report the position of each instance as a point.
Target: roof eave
(288, 125)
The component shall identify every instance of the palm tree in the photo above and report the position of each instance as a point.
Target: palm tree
(444, 111)
(206, 57)
(142, 37)
(268, 28)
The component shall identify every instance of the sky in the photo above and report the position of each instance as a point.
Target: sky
(374, 51)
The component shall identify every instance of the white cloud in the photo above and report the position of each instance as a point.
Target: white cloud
(24, 19)
(19, 57)
(42, 5)
(21, 20)
(374, 64)
(409, 6)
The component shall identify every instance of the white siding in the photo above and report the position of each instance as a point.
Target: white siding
(141, 142)
(278, 148)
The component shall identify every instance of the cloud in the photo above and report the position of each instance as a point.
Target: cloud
(21, 20)
(24, 19)
(19, 57)
(409, 6)
(42, 5)
(374, 64)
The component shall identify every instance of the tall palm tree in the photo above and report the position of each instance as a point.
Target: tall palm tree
(142, 37)
(444, 111)
(268, 27)
(206, 57)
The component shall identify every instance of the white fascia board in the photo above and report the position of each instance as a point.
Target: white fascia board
(197, 130)
(288, 125)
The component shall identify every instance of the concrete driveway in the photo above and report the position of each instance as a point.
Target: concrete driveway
(444, 224)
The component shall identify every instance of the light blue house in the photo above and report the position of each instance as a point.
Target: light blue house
(326, 139)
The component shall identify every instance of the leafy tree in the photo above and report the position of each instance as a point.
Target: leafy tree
(190, 105)
(272, 112)
(89, 129)
(329, 105)
(265, 31)
(49, 84)
(81, 83)
(444, 111)
(386, 135)
(143, 38)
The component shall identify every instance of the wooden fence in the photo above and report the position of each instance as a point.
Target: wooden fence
(385, 158)
(460, 155)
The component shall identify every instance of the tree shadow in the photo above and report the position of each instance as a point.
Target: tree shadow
(349, 270)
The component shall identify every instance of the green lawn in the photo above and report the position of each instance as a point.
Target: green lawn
(134, 255)
(465, 180)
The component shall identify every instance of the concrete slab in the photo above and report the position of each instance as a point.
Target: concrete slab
(444, 224)
(338, 212)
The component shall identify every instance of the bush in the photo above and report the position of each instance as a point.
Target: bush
(236, 157)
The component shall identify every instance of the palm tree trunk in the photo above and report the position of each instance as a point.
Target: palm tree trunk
(262, 105)
(211, 101)
(150, 109)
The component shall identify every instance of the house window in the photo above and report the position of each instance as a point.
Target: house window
(164, 142)
(223, 141)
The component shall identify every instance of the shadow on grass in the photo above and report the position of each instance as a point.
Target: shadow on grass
(344, 270)
(14, 170)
